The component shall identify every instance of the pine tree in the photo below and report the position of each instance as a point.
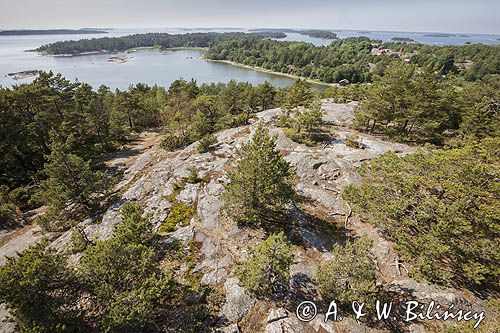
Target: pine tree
(262, 182)
(124, 276)
(40, 292)
(350, 274)
(266, 95)
(441, 209)
(267, 267)
(70, 182)
(310, 118)
(299, 94)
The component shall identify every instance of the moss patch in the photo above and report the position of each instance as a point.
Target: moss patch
(180, 212)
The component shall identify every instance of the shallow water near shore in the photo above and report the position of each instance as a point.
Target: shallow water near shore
(147, 66)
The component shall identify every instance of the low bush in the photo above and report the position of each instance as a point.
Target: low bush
(303, 138)
(352, 140)
(174, 142)
(206, 142)
(350, 274)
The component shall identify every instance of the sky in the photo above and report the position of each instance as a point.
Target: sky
(459, 16)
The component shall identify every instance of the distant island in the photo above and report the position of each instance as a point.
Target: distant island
(403, 40)
(86, 31)
(441, 35)
(319, 34)
(325, 34)
(275, 30)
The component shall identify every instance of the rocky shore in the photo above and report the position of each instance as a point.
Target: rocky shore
(24, 74)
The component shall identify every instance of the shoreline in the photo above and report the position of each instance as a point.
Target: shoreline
(132, 50)
(173, 49)
(268, 71)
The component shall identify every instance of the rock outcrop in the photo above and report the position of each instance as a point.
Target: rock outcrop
(322, 173)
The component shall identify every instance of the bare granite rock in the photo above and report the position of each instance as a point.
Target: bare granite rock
(287, 325)
(233, 328)
(338, 114)
(189, 194)
(276, 314)
(415, 328)
(19, 240)
(238, 301)
(5, 327)
(423, 291)
(209, 205)
(319, 325)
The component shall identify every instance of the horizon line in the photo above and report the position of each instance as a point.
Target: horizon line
(360, 30)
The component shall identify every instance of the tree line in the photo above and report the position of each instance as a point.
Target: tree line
(319, 34)
(325, 34)
(342, 59)
(352, 59)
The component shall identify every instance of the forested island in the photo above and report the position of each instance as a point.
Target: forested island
(158, 40)
(319, 34)
(22, 32)
(403, 39)
(326, 34)
(440, 35)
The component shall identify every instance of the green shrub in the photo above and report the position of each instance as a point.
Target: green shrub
(40, 292)
(441, 209)
(174, 142)
(231, 121)
(180, 213)
(193, 177)
(268, 266)
(350, 274)
(352, 140)
(78, 240)
(9, 214)
(303, 138)
(20, 197)
(206, 142)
